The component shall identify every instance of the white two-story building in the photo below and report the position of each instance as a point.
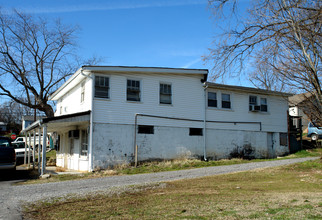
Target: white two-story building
(104, 112)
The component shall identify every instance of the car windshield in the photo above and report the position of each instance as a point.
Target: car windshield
(4, 142)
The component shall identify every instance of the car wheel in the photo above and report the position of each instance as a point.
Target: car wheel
(314, 137)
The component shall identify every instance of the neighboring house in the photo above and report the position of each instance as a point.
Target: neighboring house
(3, 127)
(27, 120)
(297, 107)
(103, 112)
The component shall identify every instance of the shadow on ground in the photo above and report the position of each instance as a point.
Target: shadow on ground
(21, 174)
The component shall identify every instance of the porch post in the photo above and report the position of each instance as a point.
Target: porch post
(44, 150)
(39, 148)
(25, 154)
(33, 150)
(29, 140)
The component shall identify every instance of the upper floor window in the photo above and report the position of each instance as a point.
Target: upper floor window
(255, 106)
(263, 104)
(165, 93)
(252, 103)
(102, 87)
(133, 90)
(82, 91)
(212, 99)
(225, 100)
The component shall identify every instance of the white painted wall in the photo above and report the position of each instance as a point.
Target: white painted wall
(71, 102)
(274, 120)
(114, 144)
(187, 102)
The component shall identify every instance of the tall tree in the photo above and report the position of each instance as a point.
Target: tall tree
(285, 35)
(35, 58)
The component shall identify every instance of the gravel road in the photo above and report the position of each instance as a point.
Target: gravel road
(11, 197)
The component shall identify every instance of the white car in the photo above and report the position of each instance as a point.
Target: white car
(20, 152)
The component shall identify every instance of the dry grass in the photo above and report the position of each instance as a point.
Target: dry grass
(290, 192)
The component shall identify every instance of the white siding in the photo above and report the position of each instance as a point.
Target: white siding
(187, 101)
(274, 120)
(71, 102)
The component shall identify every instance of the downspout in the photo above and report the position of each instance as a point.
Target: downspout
(90, 168)
(134, 144)
(204, 123)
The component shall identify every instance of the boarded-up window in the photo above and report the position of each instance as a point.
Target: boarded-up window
(283, 139)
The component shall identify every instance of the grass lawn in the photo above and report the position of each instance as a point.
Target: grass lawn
(288, 192)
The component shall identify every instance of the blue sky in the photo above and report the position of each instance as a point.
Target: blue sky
(161, 33)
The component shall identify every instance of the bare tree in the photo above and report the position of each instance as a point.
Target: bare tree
(35, 58)
(285, 35)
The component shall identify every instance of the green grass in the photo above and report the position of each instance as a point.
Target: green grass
(288, 192)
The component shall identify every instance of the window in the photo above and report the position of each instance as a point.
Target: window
(225, 101)
(145, 129)
(195, 131)
(82, 91)
(252, 102)
(102, 87)
(263, 104)
(133, 90)
(84, 143)
(165, 94)
(212, 99)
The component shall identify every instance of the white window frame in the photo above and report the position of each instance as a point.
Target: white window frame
(109, 87)
(82, 92)
(258, 102)
(81, 142)
(217, 100)
(171, 94)
(230, 100)
(140, 90)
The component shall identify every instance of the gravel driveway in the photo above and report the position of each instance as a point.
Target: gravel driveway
(12, 196)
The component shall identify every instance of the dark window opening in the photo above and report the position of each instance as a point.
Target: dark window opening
(145, 129)
(263, 104)
(225, 101)
(165, 94)
(195, 131)
(133, 90)
(212, 99)
(102, 87)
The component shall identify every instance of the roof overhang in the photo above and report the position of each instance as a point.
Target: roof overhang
(85, 71)
(57, 123)
(246, 89)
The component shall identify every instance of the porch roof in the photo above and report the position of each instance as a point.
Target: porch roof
(57, 123)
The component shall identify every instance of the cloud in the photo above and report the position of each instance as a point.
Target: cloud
(188, 65)
(65, 6)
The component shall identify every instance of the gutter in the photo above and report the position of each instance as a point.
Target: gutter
(204, 123)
